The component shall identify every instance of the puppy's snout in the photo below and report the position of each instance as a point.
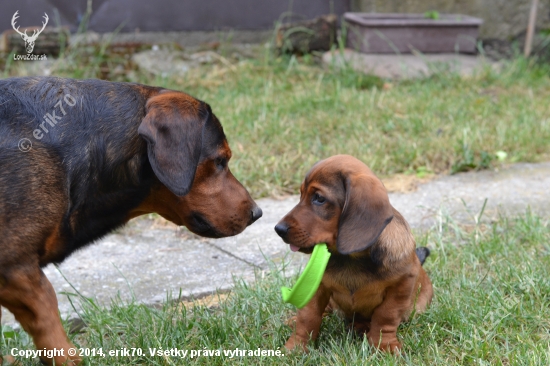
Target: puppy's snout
(256, 214)
(281, 229)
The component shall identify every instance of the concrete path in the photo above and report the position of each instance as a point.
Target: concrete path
(150, 258)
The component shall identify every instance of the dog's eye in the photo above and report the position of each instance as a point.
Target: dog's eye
(220, 163)
(318, 199)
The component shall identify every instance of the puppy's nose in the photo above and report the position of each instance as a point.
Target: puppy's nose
(281, 229)
(256, 214)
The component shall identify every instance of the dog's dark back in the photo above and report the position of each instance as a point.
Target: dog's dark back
(79, 158)
(68, 158)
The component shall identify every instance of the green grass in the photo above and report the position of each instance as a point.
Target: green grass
(281, 115)
(492, 288)
(491, 307)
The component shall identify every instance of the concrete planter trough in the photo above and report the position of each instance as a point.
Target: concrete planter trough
(407, 33)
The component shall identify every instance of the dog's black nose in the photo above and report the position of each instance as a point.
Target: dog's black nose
(281, 229)
(256, 214)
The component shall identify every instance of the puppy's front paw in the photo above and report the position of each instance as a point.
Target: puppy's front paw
(294, 343)
(291, 322)
(392, 347)
(385, 343)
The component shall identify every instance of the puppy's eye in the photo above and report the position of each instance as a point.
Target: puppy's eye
(318, 199)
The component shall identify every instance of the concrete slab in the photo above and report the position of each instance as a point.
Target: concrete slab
(407, 66)
(151, 258)
(182, 38)
(460, 197)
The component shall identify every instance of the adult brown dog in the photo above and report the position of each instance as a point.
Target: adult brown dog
(79, 158)
(374, 275)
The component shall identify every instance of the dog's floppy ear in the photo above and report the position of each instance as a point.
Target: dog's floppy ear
(366, 213)
(173, 128)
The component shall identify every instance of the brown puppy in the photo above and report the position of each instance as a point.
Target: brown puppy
(79, 158)
(374, 276)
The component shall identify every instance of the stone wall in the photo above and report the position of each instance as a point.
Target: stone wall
(503, 19)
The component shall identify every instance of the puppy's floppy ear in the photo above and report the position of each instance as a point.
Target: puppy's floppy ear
(366, 213)
(173, 128)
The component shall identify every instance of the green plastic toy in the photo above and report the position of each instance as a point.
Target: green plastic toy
(310, 279)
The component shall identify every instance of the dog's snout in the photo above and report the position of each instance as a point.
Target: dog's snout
(281, 229)
(256, 214)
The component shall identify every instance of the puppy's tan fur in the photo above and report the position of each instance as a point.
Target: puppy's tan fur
(374, 276)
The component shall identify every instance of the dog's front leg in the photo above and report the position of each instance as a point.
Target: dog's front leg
(308, 320)
(389, 314)
(1, 357)
(30, 297)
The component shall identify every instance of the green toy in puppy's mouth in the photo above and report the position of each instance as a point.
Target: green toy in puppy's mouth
(310, 279)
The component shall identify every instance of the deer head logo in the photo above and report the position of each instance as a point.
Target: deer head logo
(29, 41)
